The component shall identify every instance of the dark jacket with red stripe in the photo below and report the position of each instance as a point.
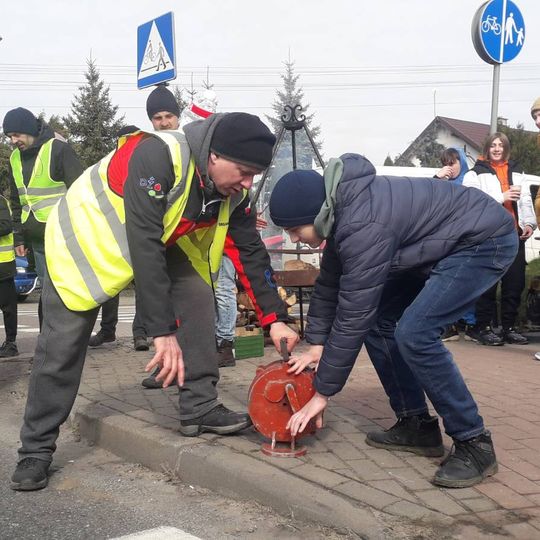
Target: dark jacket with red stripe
(147, 159)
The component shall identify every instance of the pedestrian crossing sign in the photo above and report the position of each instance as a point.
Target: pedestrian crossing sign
(156, 62)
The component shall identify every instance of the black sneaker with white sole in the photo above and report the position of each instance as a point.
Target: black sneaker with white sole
(513, 337)
(486, 336)
(219, 420)
(450, 334)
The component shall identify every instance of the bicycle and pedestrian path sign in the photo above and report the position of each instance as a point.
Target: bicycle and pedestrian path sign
(156, 61)
(498, 31)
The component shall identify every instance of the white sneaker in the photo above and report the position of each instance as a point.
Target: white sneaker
(537, 356)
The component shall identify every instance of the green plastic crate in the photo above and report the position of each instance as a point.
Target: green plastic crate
(248, 343)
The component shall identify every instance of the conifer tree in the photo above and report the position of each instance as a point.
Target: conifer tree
(293, 95)
(92, 124)
(180, 96)
(523, 148)
(56, 123)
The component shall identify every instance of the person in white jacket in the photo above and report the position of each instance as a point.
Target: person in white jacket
(500, 177)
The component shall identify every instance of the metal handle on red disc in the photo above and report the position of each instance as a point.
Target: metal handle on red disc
(283, 349)
(292, 397)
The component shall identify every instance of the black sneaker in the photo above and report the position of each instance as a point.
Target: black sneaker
(468, 464)
(226, 354)
(513, 337)
(151, 382)
(8, 349)
(219, 420)
(451, 334)
(471, 333)
(30, 474)
(140, 343)
(418, 434)
(486, 336)
(100, 338)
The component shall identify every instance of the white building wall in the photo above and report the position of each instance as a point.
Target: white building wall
(448, 140)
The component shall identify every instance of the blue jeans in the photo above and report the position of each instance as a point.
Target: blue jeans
(38, 248)
(225, 301)
(410, 358)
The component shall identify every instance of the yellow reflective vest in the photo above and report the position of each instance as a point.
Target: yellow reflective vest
(7, 249)
(85, 238)
(42, 192)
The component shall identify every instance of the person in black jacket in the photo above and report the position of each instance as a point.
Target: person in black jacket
(40, 160)
(397, 249)
(8, 294)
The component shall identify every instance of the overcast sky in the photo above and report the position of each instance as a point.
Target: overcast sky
(374, 73)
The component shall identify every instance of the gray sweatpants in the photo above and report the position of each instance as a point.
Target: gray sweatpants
(61, 351)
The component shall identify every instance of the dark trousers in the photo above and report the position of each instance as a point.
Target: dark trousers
(406, 348)
(8, 305)
(512, 285)
(63, 341)
(109, 317)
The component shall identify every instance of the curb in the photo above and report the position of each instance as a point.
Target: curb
(220, 469)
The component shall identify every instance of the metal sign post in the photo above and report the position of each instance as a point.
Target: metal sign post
(498, 34)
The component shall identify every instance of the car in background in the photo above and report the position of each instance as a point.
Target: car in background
(26, 279)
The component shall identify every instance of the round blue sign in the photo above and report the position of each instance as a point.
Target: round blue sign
(498, 31)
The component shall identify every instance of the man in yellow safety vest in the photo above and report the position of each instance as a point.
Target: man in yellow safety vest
(41, 168)
(160, 209)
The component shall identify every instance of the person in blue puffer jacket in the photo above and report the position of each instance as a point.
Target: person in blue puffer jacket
(397, 249)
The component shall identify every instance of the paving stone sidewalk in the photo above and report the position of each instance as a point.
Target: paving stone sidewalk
(505, 382)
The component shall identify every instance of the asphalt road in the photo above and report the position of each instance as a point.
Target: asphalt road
(95, 495)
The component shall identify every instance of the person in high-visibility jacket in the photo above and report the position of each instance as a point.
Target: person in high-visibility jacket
(160, 209)
(8, 294)
(41, 168)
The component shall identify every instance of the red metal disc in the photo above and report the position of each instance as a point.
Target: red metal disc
(273, 396)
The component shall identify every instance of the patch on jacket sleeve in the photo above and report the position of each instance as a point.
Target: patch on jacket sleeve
(152, 187)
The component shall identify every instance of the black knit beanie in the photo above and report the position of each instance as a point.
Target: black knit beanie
(297, 198)
(20, 120)
(161, 99)
(243, 138)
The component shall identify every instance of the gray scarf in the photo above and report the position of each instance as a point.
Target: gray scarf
(325, 218)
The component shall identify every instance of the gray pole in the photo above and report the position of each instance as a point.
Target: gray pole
(495, 98)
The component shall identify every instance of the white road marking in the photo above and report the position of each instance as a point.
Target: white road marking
(160, 533)
(23, 328)
(28, 330)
